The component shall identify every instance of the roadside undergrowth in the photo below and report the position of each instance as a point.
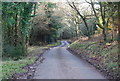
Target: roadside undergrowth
(104, 56)
(11, 67)
(54, 44)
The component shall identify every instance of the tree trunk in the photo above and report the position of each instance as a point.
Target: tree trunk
(83, 18)
(118, 38)
(16, 31)
(112, 38)
(119, 27)
(104, 34)
(86, 25)
(77, 26)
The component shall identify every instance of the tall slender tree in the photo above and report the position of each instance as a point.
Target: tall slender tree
(72, 5)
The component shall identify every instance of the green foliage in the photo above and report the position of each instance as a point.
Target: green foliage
(46, 26)
(11, 21)
(16, 18)
(54, 44)
(50, 5)
(11, 67)
(14, 51)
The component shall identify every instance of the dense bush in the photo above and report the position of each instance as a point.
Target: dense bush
(16, 18)
(13, 51)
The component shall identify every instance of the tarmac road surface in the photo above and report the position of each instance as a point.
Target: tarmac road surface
(59, 63)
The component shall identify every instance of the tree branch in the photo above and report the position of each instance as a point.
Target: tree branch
(88, 2)
(70, 4)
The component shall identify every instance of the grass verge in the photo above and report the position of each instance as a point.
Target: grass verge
(104, 56)
(10, 67)
(54, 44)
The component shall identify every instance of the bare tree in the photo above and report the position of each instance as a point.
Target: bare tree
(105, 19)
(73, 6)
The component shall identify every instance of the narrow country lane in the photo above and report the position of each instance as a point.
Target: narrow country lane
(61, 64)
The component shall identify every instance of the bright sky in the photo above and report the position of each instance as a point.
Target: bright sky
(53, 0)
(39, 0)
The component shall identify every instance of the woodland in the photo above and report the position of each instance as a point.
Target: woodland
(92, 29)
